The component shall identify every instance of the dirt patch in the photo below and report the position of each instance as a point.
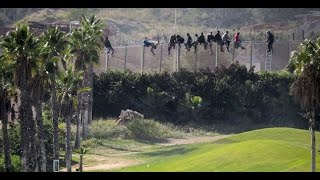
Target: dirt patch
(96, 162)
(115, 161)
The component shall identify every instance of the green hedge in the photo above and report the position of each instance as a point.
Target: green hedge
(230, 95)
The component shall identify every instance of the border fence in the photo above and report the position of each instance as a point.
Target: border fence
(138, 58)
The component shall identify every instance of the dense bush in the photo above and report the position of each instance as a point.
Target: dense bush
(107, 129)
(15, 162)
(145, 129)
(15, 139)
(229, 95)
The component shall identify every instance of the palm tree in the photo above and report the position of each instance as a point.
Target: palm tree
(305, 64)
(54, 43)
(67, 86)
(6, 91)
(86, 44)
(19, 47)
(82, 152)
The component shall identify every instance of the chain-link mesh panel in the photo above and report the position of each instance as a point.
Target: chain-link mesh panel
(136, 58)
(116, 61)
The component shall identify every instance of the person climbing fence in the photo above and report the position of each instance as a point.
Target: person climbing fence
(172, 43)
(202, 40)
(237, 42)
(179, 40)
(219, 41)
(210, 40)
(108, 45)
(147, 43)
(226, 39)
(270, 41)
(188, 44)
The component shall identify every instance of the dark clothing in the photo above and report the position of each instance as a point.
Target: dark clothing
(180, 40)
(201, 39)
(189, 41)
(146, 43)
(270, 38)
(172, 40)
(270, 46)
(107, 43)
(270, 41)
(210, 38)
(172, 43)
(108, 46)
(217, 37)
(188, 44)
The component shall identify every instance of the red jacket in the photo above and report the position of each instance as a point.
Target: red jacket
(237, 37)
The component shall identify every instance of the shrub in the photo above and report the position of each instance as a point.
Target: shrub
(145, 129)
(107, 129)
(15, 139)
(1, 142)
(91, 143)
(15, 163)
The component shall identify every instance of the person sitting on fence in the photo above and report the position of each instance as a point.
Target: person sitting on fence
(202, 40)
(237, 42)
(210, 40)
(270, 41)
(219, 41)
(188, 44)
(179, 40)
(147, 43)
(195, 43)
(108, 45)
(226, 40)
(172, 43)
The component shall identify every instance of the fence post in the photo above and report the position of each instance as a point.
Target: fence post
(178, 59)
(125, 56)
(160, 59)
(288, 50)
(174, 61)
(142, 59)
(217, 54)
(196, 61)
(251, 59)
(234, 48)
(293, 36)
(302, 34)
(107, 59)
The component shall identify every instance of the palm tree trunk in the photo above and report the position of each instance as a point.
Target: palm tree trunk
(55, 121)
(79, 118)
(33, 144)
(24, 115)
(78, 143)
(313, 142)
(42, 164)
(68, 144)
(6, 141)
(81, 158)
(85, 123)
(85, 103)
(90, 94)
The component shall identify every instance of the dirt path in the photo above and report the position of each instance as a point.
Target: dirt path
(110, 161)
(193, 140)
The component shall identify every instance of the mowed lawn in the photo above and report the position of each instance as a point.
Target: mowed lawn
(270, 150)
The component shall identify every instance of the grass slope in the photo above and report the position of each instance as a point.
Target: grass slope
(270, 150)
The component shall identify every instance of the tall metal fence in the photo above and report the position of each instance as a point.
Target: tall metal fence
(140, 59)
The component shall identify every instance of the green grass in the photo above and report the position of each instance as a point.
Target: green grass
(270, 150)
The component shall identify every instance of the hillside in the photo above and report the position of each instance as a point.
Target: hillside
(268, 150)
(133, 24)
